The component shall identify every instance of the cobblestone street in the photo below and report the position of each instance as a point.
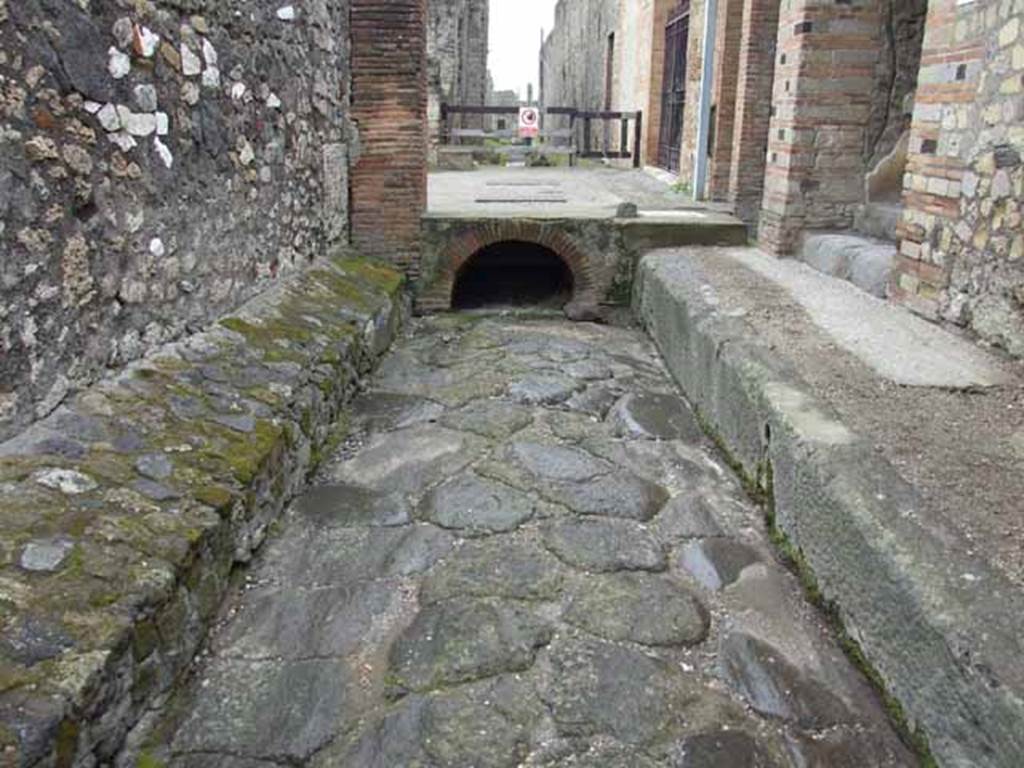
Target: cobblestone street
(524, 553)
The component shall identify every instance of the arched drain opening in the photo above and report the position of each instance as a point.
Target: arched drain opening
(513, 274)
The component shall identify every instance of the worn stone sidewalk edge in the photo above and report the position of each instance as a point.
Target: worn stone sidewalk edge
(941, 628)
(231, 420)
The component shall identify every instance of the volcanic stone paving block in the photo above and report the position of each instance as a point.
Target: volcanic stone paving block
(489, 578)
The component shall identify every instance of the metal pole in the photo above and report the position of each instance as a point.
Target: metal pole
(700, 165)
(638, 132)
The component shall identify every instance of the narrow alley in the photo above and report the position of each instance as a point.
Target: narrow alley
(525, 553)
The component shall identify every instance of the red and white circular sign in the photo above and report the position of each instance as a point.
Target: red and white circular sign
(529, 122)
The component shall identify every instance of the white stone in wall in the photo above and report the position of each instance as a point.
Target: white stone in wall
(163, 124)
(273, 102)
(123, 141)
(245, 152)
(190, 63)
(123, 31)
(147, 41)
(92, 107)
(209, 53)
(238, 91)
(190, 93)
(286, 13)
(108, 118)
(139, 124)
(211, 77)
(163, 152)
(156, 247)
(119, 65)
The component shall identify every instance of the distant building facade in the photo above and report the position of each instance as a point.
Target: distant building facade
(457, 34)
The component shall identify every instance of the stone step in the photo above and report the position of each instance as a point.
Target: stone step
(878, 220)
(863, 261)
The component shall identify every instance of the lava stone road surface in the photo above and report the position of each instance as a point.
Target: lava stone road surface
(525, 554)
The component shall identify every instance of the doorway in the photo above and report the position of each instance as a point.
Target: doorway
(673, 94)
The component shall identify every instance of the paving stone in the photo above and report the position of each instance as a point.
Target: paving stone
(495, 419)
(642, 608)
(505, 567)
(408, 460)
(543, 389)
(325, 622)
(687, 516)
(459, 641)
(717, 563)
(600, 752)
(270, 710)
(484, 725)
(849, 748)
(589, 370)
(595, 400)
(386, 411)
(775, 686)
(556, 462)
(216, 761)
(347, 505)
(723, 749)
(600, 688)
(471, 504)
(604, 545)
(654, 416)
(316, 556)
(619, 494)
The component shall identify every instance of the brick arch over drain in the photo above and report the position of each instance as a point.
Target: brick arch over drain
(462, 248)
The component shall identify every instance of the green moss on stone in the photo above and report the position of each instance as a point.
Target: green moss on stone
(380, 275)
(146, 760)
(215, 496)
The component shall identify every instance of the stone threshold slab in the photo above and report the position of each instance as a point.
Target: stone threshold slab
(123, 513)
(938, 619)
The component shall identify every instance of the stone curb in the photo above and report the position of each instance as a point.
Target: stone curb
(124, 512)
(942, 629)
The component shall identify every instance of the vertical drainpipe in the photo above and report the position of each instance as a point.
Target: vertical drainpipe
(700, 165)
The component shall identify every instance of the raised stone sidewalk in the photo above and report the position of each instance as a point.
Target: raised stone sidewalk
(124, 512)
(893, 454)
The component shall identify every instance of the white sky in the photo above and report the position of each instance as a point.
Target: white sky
(515, 41)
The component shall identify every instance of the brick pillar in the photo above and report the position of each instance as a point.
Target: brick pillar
(824, 83)
(389, 104)
(727, 55)
(755, 78)
(952, 71)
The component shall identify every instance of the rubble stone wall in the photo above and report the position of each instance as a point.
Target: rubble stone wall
(574, 56)
(457, 34)
(962, 246)
(160, 162)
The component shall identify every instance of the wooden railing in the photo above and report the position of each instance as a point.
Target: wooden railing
(574, 136)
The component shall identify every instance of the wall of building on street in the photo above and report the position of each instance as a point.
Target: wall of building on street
(962, 246)
(845, 75)
(574, 55)
(457, 34)
(157, 167)
(822, 111)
